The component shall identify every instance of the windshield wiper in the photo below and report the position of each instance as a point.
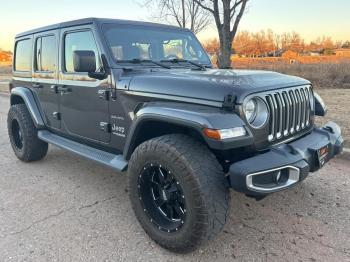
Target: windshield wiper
(178, 60)
(140, 61)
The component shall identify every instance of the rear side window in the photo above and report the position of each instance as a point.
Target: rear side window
(23, 55)
(83, 41)
(45, 50)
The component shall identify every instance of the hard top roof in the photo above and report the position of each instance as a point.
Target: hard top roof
(92, 20)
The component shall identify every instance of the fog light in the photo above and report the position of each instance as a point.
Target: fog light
(221, 134)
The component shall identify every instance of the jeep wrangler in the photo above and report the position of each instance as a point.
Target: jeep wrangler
(144, 98)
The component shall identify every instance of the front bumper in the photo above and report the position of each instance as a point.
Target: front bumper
(286, 164)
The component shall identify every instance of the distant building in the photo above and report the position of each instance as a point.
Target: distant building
(290, 54)
(314, 53)
(345, 52)
(5, 56)
(317, 52)
(277, 53)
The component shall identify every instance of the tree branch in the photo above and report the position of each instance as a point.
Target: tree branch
(235, 5)
(238, 19)
(183, 13)
(199, 2)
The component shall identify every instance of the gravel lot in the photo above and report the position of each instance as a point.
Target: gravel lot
(65, 208)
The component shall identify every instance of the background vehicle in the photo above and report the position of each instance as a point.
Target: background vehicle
(144, 98)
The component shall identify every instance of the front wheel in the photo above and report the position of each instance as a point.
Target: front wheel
(178, 192)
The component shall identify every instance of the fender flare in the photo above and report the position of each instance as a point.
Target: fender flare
(193, 117)
(27, 96)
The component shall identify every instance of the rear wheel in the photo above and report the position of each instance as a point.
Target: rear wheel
(178, 192)
(23, 135)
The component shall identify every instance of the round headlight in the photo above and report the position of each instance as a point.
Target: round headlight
(250, 110)
(256, 112)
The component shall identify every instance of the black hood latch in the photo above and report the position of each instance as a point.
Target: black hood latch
(229, 102)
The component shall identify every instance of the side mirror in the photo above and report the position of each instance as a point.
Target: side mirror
(84, 61)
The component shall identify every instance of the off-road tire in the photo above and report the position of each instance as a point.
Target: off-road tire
(32, 148)
(204, 186)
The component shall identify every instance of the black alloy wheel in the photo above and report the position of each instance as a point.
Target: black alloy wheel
(162, 197)
(17, 134)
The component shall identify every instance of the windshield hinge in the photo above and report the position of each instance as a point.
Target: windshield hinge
(229, 102)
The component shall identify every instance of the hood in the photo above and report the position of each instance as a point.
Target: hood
(212, 84)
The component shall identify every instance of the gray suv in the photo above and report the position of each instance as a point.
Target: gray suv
(145, 99)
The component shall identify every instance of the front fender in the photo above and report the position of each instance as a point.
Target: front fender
(194, 117)
(27, 97)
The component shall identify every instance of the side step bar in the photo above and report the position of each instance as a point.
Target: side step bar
(116, 162)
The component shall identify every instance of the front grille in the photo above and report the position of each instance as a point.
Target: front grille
(290, 111)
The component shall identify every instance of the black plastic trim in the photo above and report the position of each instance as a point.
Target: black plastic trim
(116, 162)
(29, 101)
(194, 117)
(301, 153)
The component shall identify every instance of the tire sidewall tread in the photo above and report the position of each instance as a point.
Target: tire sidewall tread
(202, 179)
(33, 148)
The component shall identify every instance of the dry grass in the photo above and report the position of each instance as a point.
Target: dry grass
(322, 75)
(246, 61)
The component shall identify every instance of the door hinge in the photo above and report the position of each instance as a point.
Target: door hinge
(56, 115)
(103, 94)
(105, 127)
(229, 102)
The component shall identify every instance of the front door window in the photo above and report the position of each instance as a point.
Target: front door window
(78, 41)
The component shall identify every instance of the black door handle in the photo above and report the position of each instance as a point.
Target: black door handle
(53, 89)
(36, 85)
(64, 89)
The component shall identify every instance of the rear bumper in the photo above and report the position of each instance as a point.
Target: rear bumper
(286, 164)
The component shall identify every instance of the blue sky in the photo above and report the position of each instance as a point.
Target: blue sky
(311, 18)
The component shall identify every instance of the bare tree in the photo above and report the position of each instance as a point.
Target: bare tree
(227, 15)
(184, 13)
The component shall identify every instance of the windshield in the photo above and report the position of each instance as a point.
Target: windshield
(131, 42)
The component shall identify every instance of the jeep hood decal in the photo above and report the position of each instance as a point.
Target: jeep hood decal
(212, 84)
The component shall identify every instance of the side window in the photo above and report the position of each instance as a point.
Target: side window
(78, 41)
(23, 55)
(45, 50)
